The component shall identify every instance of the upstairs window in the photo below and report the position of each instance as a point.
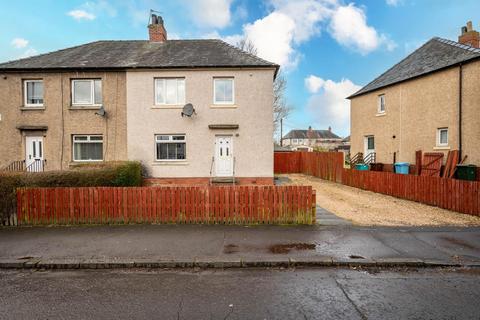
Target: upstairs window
(170, 91)
(170, 147)
(381, 103)
(442, 137)
(33, 91)
(87, 148)
(223, 91)
(87, 92)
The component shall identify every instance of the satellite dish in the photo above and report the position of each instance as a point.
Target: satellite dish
(101, 112)
(188, 110)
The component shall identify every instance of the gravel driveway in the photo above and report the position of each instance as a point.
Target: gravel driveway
(369, 208)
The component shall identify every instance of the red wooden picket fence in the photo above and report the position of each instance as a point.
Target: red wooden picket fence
(457, 195)
(182, 204)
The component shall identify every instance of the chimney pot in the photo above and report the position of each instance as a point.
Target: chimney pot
(469, 36)
(156, 29)
(469, 26)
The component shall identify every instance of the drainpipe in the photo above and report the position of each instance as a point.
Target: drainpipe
(460, 76)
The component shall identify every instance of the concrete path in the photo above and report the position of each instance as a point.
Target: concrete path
(326, 218)
(240, 294)
(235, 246)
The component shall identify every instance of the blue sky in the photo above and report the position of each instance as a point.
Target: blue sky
(327, 48)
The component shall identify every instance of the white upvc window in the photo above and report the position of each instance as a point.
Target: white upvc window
(223, 91)
(442, 137)
(170, 147)
(294, 141)
(87, 148)
(169, 91)
(87, 92)
(381, 103)
(33, 93)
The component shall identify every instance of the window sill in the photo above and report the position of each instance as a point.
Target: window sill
(168, 106)
(441, 148)
(74, 163)
(80, 107)
(28, 108)
(381, 114)
(223, 106)
(170, 163)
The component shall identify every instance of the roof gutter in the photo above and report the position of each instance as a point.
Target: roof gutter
(126, 68)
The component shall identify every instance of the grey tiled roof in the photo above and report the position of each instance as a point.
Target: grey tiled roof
(314, 134)
(434, 55)
(142, 54)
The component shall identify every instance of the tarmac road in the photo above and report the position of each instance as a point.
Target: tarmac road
(241, 294)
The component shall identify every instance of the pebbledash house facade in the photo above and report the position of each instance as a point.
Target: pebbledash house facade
(192, 111)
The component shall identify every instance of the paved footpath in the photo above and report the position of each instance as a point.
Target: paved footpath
(235, 246)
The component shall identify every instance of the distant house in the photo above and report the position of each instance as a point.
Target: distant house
(308, 140)
(429, 101)
(345, 146)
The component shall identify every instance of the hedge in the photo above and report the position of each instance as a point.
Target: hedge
(113, 174)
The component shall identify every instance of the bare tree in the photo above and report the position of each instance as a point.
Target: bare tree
(281, 109)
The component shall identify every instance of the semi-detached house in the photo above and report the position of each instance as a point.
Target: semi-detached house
(429, 101)
(119, 100)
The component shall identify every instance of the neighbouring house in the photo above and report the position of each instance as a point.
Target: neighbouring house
(308, 140)
(429, 101)
(191, 111)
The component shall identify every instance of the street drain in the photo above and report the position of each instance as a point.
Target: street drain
(354, 256)
(286, 248)
(25, 258)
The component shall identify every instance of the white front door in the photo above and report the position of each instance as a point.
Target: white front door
(369, 146)
(223, 156)
(34, 153)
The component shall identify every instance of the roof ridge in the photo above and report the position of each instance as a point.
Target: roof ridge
(457, 44)
(379, 76)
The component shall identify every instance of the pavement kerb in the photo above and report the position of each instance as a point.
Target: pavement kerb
(285, 263)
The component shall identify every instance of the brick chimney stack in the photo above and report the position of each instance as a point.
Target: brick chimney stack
(330, 129)
(469, 36)
(156, 30)
(310, 133)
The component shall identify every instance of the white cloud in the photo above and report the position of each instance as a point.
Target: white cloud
(273, 36)
(81, 15)
(211, 13)
(19, 43)
(394, 3)
(313, 83)
(307, 14)
(349, 27)
(330, 108)
(290, 23)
